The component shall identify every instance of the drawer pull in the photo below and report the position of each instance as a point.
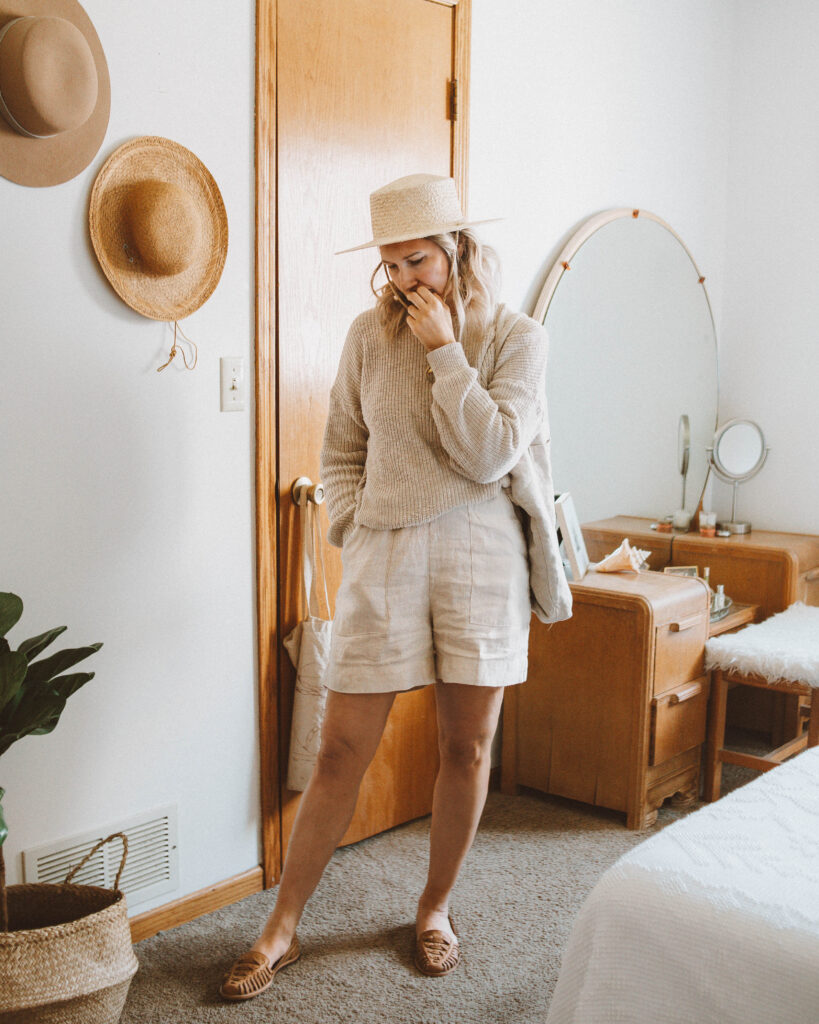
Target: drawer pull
(811, 576)
(683, 624)
(686, 693)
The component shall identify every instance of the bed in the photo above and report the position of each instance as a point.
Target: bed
(714, 919)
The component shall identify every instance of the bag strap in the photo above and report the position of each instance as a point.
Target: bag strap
(312, 559)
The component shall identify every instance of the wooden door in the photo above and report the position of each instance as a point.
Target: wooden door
(363, 95)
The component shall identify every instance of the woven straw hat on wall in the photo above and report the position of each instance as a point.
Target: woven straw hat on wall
(159, 228)
(55, 91)
(416, 206)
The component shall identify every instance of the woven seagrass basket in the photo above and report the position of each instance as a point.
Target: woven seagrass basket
(68, 958)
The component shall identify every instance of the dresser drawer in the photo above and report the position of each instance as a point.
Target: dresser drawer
(678, 719)
(679, 651)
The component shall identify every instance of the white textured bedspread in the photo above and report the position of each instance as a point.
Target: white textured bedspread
(714, 919)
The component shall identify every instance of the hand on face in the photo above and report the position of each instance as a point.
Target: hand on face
(429, 318)
(419, 270)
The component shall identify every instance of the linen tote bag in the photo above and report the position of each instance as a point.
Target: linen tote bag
(309, 648)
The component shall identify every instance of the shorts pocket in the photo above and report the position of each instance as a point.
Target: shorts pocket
(362, 604)
(499, 593)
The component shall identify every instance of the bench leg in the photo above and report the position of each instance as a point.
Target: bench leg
(813, 721)
(716, 737)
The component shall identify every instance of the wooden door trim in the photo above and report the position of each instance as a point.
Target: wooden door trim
(267, 547)
(460, 134)
(267, 470)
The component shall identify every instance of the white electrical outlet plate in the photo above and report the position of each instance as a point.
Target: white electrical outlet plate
(232, 383)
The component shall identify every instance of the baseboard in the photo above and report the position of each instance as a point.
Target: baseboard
(143, 926)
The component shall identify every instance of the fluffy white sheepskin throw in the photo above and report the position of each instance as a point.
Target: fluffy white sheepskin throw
(783, 647)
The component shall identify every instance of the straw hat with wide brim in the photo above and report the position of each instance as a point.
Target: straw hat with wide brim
(416, 206)
(159, 228)
(55, 92)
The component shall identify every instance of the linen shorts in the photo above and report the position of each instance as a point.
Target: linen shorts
(447, 600)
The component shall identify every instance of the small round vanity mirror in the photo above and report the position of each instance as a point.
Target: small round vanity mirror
(738, 453)
(739, 449)
(684, 451)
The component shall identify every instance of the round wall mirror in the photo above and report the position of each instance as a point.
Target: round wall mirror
(632, 351)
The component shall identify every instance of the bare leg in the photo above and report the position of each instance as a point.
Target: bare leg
(467, 719)
(352, 728)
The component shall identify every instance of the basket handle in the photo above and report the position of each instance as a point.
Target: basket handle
(93, 850)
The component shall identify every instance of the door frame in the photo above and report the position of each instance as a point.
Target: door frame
(268, 484)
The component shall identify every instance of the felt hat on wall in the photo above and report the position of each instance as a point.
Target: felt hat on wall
(159, 228)
(416, 206)
(55, 92)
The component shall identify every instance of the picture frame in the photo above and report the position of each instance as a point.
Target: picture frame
(571, 535)
(681, 570)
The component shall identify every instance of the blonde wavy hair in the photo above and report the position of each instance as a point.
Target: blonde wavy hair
(473, 282)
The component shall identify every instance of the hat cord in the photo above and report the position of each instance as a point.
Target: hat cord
(181, 351)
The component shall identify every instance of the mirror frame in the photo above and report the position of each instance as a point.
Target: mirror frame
(563, 263)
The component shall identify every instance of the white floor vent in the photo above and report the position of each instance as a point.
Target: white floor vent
(152, 867)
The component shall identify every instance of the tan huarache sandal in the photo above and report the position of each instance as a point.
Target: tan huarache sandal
(435, 953)
(253, 973)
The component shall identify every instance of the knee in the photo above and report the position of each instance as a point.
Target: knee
(339, 758)
(465, 753)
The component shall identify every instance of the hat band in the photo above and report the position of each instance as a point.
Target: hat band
(4, 110)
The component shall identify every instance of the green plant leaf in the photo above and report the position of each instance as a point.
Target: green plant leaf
(8, 712)
(48, 724)
(6, 740)
(13, 667)
(33, 694)
(40, 709)
(37, 717)
(37, 644)
(45, 669)
(11, 608)
(68, 685)
(32, 705)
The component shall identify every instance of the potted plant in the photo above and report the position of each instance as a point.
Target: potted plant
(65, 950)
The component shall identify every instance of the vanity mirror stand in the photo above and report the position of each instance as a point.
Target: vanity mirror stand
(737, 454)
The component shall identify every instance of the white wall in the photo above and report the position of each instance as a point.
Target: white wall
(771, 308)
(579, 107)
(127, 497)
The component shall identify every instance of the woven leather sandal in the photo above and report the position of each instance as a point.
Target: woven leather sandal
(435, 953)
(253, 973)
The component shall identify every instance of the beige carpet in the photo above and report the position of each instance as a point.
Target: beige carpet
(533, 862)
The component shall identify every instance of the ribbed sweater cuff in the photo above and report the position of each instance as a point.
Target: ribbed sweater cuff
(447, 359)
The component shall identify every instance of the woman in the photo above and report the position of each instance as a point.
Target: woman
(439, 394)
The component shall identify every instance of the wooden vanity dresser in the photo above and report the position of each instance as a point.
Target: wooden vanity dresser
(613, 712)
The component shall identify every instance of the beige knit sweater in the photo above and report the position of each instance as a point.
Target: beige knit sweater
(402, 446)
